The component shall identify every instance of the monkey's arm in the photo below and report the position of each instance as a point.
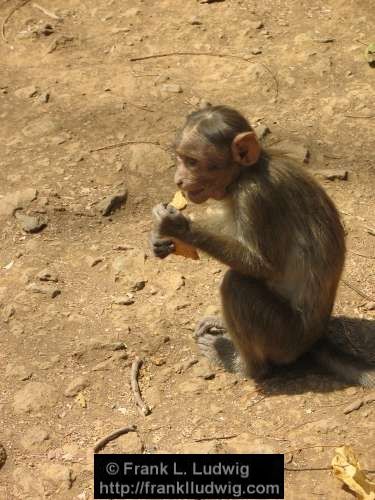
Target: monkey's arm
(170, 222)
(227, 250)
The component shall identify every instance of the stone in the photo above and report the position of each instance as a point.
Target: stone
(195, 22)
(3, 456)
(17, 200)
(57, 474)
(129, 443)
(34, 437)
(123, 301)
(50, 290)
(370, 306)
(7, 313)
(171, 88)
(34, 396)
(18, 372)
(30, 224)
(112, 203)
(256, 51)
(41, 127)
(138, 286)
(93, 261)
(247, 443)
(47, 275)
(77, 385)
(332, 175)
(261, 131)
(26, 92)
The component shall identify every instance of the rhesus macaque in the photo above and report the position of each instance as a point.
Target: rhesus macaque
(280, 236)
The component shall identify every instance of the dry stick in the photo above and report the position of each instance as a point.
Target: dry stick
(126, 143)
(358, 291)
(114, 435)
(210, 54)
(142, 407)
(47, 12)
(362, 255)
(10, 14)
(366, 117)
(201, 440)
(301, 469)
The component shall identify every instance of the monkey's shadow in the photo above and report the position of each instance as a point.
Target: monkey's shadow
(353, 337)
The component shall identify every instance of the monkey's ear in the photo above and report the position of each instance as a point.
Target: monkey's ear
(246, 149)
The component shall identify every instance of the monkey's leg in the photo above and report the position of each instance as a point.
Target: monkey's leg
(214, 343)
(264, 328)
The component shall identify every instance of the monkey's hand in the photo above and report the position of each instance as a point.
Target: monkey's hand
(160, 246)
(168, 221)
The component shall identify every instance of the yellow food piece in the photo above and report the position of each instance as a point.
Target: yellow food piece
(179, 201)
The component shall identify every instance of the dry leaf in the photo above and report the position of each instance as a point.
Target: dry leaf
(346, 468)
(181, 248)
(81, 400)
(179, 201)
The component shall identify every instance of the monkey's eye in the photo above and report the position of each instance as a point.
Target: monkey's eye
(190, 162)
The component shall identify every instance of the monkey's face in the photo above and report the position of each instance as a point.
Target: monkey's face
(204, 176)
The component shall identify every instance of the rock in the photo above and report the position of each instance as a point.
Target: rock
(27, 484)
(256, 51)
(34, 437)
(195, 22)
(247, 443)
(7, 313)
(370, 306)
(123, 301)
(261, 131)
(129, 443)
(76, 386)
(17, 200)
(40, 127)
(26, 92)
(205, 447)
(33, 397)
(57, 474)
(93, 261)
(296, 152)
(171, 88)
(3, 456)
(139, 285)
(44, 97)
(44, 289)
(30, 224)
(203, 370)
(112, 203)
(47, 275)
(332, 175)
(18, 372)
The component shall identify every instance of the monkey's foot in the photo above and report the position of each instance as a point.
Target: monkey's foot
(214, 344)
(210, 324)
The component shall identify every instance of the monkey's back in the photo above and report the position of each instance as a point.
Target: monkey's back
(295, 227)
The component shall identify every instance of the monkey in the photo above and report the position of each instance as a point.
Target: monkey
(279, 234)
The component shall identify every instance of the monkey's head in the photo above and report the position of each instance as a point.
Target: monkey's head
(214, 145)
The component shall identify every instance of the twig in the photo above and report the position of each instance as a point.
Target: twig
(47, 12)
(210, 54)
(170, 54)
(311, 447)
(126, 143)
(362, 255)
(358, 291)
(142, 407)
(114, 435)
(201, 440)
(365, 117)
(10, 14)
(301, 469)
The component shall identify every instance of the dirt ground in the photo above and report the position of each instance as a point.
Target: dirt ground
(82, 297)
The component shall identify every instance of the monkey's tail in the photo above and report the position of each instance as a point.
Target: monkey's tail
(347, 367)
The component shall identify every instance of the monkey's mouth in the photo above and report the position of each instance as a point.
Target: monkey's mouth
(197, 196)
